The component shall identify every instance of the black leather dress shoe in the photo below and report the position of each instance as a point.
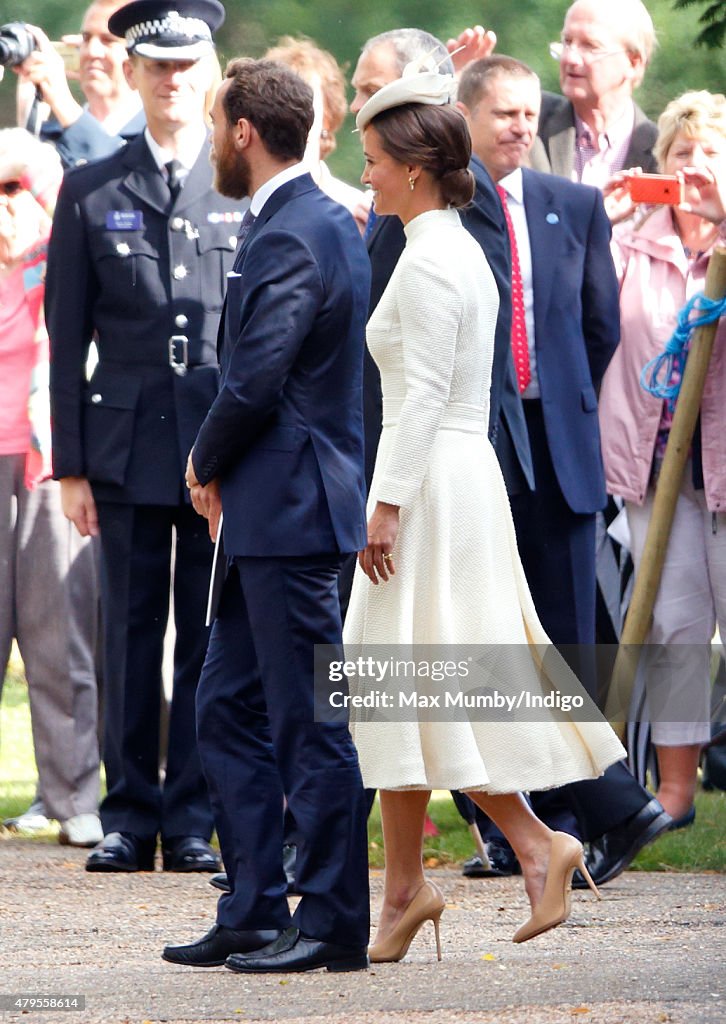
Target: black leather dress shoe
(121, 851)
(289, 857)
(684, 821)
(611, 854)
(213, 948)
(189, 853)
(502, 862)
(293, 951)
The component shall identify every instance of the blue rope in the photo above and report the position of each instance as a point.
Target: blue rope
(662, 376)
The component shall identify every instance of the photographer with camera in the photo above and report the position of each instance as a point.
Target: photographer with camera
(112, 113)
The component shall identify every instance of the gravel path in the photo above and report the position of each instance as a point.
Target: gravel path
(652, 951)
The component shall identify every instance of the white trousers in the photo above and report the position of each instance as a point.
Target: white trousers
(48, 603)
(690, 601)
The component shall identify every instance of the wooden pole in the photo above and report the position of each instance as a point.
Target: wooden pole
(647, 580)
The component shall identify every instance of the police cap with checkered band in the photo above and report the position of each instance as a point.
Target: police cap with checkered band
(168, 29)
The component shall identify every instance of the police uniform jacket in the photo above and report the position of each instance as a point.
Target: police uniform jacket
(148, 278)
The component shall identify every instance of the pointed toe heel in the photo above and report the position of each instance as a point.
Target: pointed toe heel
(426, 905)
(566, 856)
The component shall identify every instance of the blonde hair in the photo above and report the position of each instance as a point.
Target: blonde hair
(316, 67)
(694, 114)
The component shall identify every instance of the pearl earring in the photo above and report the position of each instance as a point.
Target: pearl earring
(411, 182)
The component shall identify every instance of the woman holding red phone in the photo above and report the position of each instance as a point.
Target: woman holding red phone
(661, 259)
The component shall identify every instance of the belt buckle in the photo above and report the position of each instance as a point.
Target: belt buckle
(179, 353)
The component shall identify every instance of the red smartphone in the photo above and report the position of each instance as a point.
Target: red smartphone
(656, 188)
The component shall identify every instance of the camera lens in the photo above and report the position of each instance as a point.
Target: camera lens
(16, 43)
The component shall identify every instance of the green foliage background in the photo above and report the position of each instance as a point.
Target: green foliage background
(524, 28)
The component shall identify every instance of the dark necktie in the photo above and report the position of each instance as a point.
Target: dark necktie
(520, 346)
(245, 227)
(174, 179)
(370, 224)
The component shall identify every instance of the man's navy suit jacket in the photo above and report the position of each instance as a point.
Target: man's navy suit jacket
(484, 219)
(285, 433)
(577, 326)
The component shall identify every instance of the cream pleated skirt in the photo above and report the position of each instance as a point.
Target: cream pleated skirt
(459, 581)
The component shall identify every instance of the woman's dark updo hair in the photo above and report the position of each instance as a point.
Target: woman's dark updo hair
(435, 138)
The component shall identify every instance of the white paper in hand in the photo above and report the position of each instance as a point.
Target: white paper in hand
(219, 573)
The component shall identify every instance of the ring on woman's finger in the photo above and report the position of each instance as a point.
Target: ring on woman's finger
(387, 558)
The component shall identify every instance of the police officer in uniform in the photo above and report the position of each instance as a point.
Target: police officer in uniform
(139, 253)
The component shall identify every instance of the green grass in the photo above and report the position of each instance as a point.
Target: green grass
(451, 846)
(699, 848)
(17, 761)
(702, 847)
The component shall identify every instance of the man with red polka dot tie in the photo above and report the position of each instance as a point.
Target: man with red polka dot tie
(565, 328)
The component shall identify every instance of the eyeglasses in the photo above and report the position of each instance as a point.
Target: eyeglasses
(10, 188)
(587, 54)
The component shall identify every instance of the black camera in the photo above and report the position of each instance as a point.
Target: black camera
(16, 43)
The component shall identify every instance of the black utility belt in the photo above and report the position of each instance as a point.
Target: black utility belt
(179, 353)
(179, 358)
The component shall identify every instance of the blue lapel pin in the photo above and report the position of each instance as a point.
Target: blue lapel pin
(552, 218)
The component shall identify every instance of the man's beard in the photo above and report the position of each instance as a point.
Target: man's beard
(232, 175)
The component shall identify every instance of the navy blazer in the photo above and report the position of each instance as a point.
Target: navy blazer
(127, 265)
(554, 148)
(486, 222)
(285, 433)
(577, 325)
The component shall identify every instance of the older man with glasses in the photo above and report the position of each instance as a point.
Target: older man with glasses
(595, 128)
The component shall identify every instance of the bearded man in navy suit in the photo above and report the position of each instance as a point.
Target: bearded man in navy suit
(281, 454)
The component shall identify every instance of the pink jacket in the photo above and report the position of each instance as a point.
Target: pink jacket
(655, 284)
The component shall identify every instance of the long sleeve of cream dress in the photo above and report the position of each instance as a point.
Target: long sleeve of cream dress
(459, 583)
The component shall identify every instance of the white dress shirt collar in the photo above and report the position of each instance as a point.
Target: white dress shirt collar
(264, 192)
(512, 184)
(187, 155)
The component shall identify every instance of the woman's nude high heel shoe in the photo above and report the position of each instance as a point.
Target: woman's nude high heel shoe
(554, 907)
(427, 905)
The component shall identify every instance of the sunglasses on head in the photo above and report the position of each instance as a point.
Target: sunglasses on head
(10, 188)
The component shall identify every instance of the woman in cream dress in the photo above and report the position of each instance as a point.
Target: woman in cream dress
(441, 565)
